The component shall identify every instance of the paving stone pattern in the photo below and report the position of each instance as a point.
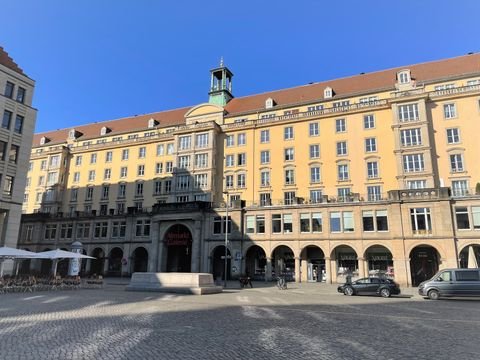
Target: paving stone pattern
(307, 321)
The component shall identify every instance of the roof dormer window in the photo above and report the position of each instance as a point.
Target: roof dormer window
(269, 103)
(328, 92)
(44, 140)
(71, 134)
(104, 130)
(152, 123)
(403, 77)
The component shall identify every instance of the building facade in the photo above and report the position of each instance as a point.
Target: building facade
(16, 135)
(374, 173)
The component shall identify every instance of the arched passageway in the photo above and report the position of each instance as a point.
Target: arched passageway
(314, 260)
(424, 261)
(346, 261)
(115, 262)
(255, 262)
(178, 241)
(379, 261)
(470, 256)
(140, 260)
(283, 263)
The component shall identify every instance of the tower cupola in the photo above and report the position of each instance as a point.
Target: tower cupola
(220, 85)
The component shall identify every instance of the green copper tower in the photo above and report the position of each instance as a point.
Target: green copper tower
(220, 85)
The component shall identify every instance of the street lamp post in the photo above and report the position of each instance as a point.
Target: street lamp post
(226, 240)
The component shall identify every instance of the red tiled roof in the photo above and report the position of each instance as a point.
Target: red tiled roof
(358, 84)
(8, 62)
(140, 122)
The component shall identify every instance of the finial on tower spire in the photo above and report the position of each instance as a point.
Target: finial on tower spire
(221, 61)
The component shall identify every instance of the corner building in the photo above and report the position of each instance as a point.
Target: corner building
(370, 174)
(16, 134)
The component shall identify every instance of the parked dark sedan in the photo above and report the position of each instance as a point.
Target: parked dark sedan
(370, 286)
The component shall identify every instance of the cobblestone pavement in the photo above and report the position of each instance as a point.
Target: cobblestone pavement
(307, 321)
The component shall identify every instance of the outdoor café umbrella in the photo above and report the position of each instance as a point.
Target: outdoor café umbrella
(57, 254)
(12, 254)
(472, 259)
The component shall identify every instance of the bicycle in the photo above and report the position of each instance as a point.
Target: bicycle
(281, 283)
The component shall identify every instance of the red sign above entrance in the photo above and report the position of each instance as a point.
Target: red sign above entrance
(178, 239)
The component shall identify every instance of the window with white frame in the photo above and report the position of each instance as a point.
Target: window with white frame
(169, 167)
(315, 196)
(461, 217)
(264, 157)
(107, 174)
(241, 180)
(125, 154)
(260, 224)
(89, 193)
(372, 169)
(241, 159)
(105, 191)
(50, 231)
(449, 111)
(93, 158)
(91, 175)
(456, 163)
(74, 194)
(459, 187)
(340, 125)
(119, 229)
(339, 104)
(265, 178)
(404, 77)
(413, 163)
(314, 151)
(341, 221)
(374, 193)
(369, 122)
(287, 223)
(229, 160)
(416, 184)
(289, 177)
(288, 133)
(313, 129)
(139, 189)
(123, 172)
(375, 220)
(55, 161)
(343, 174)
(200, 181)
(201, 140)
(229, 181)
(78, 161)
(142, 152)
(141, 170)
(411, 137)
(289, 154)
(122, 190)
(184, 162)
(183, 182)
(241, 139)
(170, 148)
(265, 199)
(453, 136)
(157, 187)
(100, 229)
(343, 194)
(229, 140)
(160, 149)
(52, 178)
(108, 156)
(370, 145)
(201, 160)
(408, 112)
(184, 142)
(289, 197)
(315, 174)
(158, 168)
(168, 186)
(265, 136)
(476, 217)
(421, 221)
(341, 148)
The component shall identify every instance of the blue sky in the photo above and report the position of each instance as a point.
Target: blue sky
(98, 60)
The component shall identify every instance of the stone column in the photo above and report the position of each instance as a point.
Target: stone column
(153, 256)
(298, 271)
(361, 267)
(268, 272)
(196, 253)
(328, 270)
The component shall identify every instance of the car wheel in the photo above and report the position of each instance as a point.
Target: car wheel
(433, 295)
(348, 291)
(385, 293)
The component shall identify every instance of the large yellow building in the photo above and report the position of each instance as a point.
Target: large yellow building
(373, 173)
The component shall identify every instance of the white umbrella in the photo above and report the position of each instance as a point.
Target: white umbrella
(472, 259)
(61, 254)
(12, 254)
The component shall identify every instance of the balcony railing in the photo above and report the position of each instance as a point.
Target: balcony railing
(454, 91)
